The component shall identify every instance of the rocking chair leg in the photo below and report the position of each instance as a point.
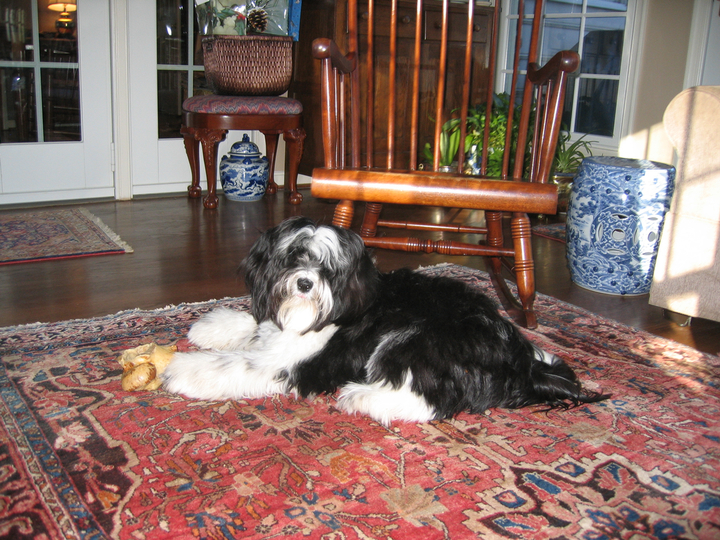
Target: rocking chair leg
(343, 216)
(524, 265)
(520, 307)
(370, 220)
(495, 238)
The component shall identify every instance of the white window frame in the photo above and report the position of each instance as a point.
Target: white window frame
(188, 67)
(626, 81)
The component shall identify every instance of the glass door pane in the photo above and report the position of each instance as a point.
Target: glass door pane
(56, 130)
(39, 72)
(180, 63)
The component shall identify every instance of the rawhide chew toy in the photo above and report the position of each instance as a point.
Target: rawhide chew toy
(143, 365)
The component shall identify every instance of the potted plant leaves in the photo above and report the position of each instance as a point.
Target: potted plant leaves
(450, 138)
(497, 136)
(449, 144)
(568, 157)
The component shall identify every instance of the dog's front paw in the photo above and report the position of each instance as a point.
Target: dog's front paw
(223, 329)
(193, 375)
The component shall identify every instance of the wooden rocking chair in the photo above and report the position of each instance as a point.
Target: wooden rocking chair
(352, 86)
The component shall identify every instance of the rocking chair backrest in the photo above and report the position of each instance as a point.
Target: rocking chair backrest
(378, 100)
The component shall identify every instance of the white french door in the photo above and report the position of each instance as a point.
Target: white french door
(157, 38)
(56, 130)
(164, 67)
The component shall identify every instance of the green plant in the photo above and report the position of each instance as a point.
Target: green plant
(497, 134)
(450, 135)
(449, 143)
(568, 157)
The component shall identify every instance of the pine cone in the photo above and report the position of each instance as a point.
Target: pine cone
(257, 19)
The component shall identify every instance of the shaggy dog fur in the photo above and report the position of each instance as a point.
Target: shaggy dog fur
(397, 346)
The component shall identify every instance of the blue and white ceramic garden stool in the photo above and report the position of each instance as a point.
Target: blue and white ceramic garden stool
(615, 216)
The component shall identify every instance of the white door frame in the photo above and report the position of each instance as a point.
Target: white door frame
(121, 98)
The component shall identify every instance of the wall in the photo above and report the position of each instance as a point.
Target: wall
(711, 71)
(662, 65)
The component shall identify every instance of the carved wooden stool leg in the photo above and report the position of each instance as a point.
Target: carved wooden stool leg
(271, 140)
(210, 138)
(192, 149)
(294, 140)
(524, 265)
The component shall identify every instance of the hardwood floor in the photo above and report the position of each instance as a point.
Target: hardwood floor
(184, 253)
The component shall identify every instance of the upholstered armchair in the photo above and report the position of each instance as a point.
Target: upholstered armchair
(687, 271)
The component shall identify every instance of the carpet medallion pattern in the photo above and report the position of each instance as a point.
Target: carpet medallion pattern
(80, 458)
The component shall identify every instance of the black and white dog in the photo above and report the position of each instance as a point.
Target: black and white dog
(397, 346)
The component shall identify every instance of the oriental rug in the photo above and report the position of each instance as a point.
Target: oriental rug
(554, 231)
(57, 233)
(80, 458)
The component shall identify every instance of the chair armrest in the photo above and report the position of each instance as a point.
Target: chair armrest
(567, 61)
(324, 48)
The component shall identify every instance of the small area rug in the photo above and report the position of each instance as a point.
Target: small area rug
(57, 233)
(81, 458)
(554, 231)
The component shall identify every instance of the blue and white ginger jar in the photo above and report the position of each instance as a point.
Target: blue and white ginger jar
(244, 172)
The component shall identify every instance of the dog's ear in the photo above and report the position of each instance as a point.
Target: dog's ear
(357, 287)
(257, 280)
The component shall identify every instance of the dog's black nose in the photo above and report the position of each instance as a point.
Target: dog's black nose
(304, 285)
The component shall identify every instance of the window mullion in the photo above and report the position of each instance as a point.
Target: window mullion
(578, 79)
(190, 48)
(598, 86)
(37, 73)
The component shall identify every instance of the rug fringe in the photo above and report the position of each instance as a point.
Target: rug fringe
(123, 312)
(107, 230)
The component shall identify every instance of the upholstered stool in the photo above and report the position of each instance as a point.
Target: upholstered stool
(207, 119)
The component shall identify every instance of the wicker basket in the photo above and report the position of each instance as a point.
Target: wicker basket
(248, 65)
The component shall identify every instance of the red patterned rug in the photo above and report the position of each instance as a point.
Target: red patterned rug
(554, 231)
(57, 233)
(80, 458)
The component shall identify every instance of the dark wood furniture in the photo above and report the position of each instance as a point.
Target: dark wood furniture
(207, 119)
(328, 18)
(354, 172)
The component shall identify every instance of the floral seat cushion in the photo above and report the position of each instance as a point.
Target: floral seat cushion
(214, 104)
